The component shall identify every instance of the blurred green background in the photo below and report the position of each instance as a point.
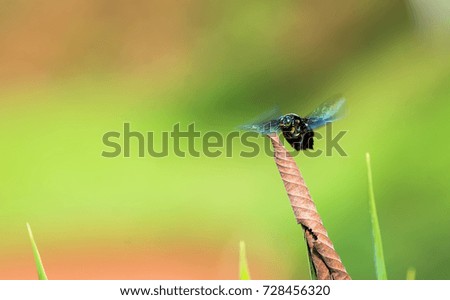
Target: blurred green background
(72, 70)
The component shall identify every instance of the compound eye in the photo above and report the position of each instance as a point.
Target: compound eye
(286, 121)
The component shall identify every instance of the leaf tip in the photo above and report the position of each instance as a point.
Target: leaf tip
(37, 257)
(411, 273)
(244, 273)
(368, 159)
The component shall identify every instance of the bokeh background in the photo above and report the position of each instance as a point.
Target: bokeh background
(72, 70)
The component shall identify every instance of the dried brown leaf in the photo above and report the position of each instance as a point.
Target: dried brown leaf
(324, 257)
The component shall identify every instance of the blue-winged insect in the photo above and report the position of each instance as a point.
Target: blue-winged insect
(299, 131)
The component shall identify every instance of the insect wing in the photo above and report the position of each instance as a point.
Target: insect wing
(328, 111)
(267, 123)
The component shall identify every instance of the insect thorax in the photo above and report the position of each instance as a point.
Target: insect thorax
(297, 127)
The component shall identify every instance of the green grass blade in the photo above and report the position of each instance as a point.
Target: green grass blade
(380, 265)
(312, 270)
(244, 274)
(37, 257)
(411, 273)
